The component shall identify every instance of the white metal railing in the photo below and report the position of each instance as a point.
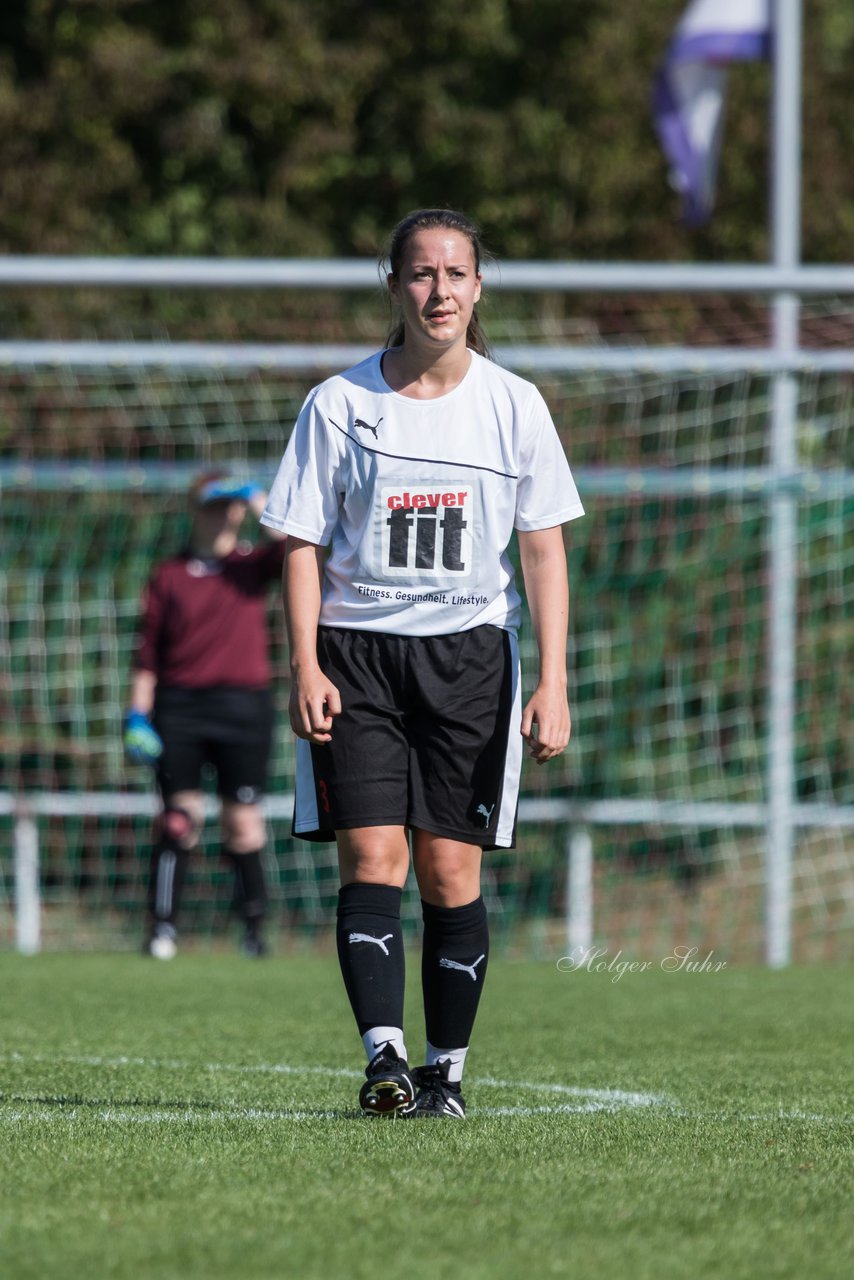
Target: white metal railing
(324, 356)
(366, 274)
(698, 482)
(577, 815)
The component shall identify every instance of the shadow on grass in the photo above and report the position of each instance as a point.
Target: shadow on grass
(63, 1101)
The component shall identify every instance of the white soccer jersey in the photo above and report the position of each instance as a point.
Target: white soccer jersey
(419, 498)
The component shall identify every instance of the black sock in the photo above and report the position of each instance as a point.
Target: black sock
(250, 890)
(370, 952)
(453, 967)
(166, 881)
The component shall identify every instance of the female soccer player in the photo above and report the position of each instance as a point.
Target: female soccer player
(200, 694)
(414, 468)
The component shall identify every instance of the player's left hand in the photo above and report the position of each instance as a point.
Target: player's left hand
(546, 723)
(142, 742)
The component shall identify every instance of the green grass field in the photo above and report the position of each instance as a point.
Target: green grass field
(197, 1120)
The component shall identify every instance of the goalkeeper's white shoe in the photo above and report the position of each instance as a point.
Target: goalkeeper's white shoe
(163, 944)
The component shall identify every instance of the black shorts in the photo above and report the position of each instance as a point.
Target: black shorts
(428, 737)
(227, 727)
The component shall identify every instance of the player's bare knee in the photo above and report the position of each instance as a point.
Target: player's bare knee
(449, 883)
(447, 871)
(243, 826)
(372, 866)
(179, 827)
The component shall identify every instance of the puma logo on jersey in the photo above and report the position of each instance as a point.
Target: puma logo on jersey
(464, 968)
(366, 426)
(486, 813)
(367, 937)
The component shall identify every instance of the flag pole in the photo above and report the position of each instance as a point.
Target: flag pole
(782, 622)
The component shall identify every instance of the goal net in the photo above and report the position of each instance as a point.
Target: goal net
(669, 656)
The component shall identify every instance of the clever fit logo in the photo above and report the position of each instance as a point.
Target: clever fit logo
(427, 530)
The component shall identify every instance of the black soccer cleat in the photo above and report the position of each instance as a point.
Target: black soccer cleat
(389, 1089)
(252, 943)
(436, 1096)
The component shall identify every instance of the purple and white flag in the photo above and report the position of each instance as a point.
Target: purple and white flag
(688, 98)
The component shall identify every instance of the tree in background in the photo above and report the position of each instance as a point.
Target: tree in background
(290, 127)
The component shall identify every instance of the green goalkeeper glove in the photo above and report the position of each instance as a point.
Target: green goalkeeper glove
(142, 741)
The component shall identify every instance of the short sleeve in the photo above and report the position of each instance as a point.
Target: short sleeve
(303, 500)
(545, 493)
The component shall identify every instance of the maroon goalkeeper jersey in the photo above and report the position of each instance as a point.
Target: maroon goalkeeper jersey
(204, 622)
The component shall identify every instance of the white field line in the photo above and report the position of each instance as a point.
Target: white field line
(617, 1097)
(589, 1100)
(176, 1064)
(191, 1117)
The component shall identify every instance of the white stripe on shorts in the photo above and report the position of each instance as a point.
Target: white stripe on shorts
(306, 813)
(513, 759)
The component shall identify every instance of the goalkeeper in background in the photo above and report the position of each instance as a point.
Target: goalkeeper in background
(200, 695)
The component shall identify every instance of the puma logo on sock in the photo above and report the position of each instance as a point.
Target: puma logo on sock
(465, 968)
(367, 937)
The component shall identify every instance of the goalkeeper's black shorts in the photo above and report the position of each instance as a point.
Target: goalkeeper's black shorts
(226, 728)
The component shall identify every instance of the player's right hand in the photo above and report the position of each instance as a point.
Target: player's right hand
(314, 703)
(141, 740)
